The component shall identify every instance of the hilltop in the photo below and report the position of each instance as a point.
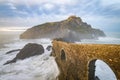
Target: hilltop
(71, 29)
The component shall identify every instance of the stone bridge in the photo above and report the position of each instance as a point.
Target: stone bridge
(74, 59)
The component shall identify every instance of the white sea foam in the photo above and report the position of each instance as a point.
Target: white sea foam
(41, 67)
(108, 38)
(101, 40)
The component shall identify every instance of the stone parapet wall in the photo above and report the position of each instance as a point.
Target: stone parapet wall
(73, 59)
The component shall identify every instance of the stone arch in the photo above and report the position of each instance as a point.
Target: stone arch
(63, 55)
(93, 68)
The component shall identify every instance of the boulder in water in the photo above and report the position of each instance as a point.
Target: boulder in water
(49, 47)
(29, 50)
(11, 51)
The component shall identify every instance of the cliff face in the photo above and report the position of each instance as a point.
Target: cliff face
(74, 59)
(71, 28)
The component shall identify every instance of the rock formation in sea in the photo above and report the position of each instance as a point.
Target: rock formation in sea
(49, 48)
(11, 51)
(29, 50)
(71, 29)
(77, 61)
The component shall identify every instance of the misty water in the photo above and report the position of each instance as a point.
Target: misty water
(42, 67)
(111, 38)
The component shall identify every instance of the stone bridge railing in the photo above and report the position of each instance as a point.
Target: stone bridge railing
(73, 59)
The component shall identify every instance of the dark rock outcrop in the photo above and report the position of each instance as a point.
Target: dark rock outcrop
(65, 39)
(49, 48)
(71, 29)
(29, 50)
(11, 51)
(97, 78)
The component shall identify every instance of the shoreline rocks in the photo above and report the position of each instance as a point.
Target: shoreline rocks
(29, 50)
(49, 48)
(11, 51)
(71, 29)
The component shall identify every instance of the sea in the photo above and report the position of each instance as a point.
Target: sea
(43, 67)
(111, 38)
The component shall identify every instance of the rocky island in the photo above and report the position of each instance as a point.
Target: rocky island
(29, 50)
(71, 29)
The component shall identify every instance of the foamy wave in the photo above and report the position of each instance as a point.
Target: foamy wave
(41, 67)
(101, 40)
(17, 44)
(108, 39)
(34, 68)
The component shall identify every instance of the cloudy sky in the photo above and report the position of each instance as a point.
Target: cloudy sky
(102, 14)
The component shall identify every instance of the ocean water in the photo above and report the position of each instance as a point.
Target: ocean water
(111, 38)
(42, 67)
(6, 37)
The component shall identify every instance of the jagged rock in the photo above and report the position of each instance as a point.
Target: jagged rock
(63, 39)
(49, 47)
(11, 51)
(69, 39)
(29, 50)
(71, 29)
(97, 78)
(60, 39)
